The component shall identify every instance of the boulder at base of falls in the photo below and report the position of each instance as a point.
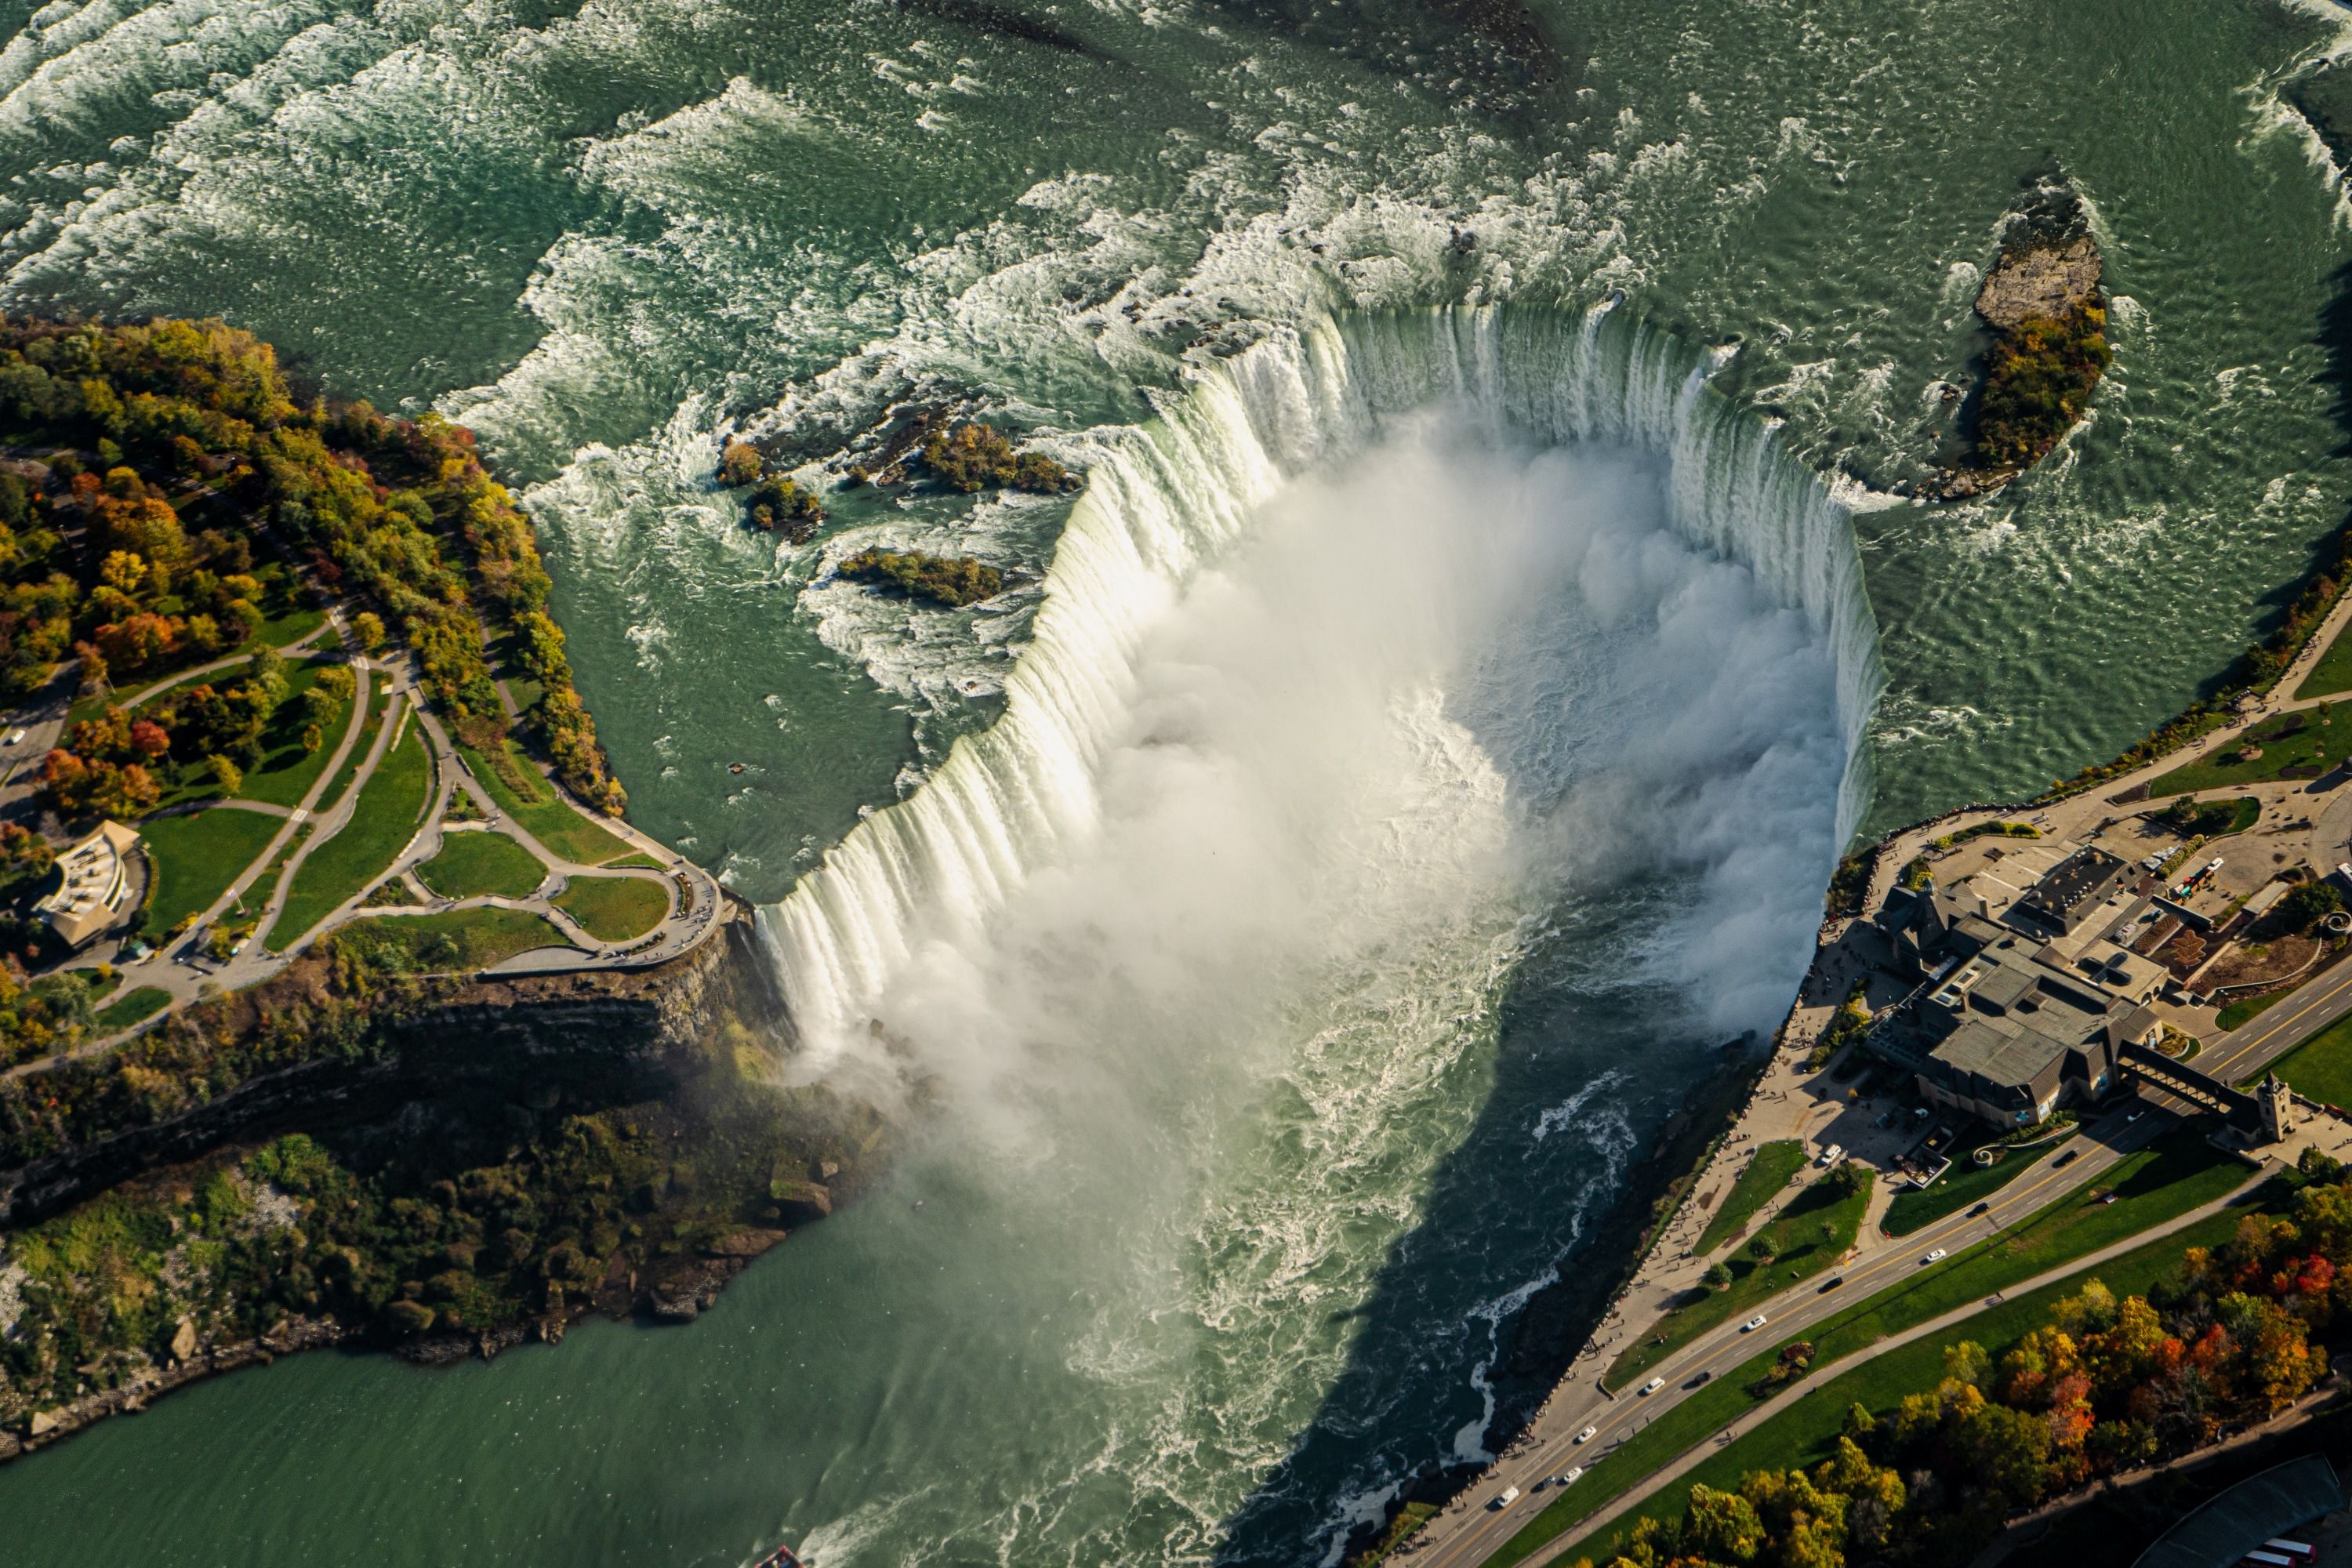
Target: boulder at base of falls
(799, 1202)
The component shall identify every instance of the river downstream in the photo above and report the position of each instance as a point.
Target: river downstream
(1378, 796)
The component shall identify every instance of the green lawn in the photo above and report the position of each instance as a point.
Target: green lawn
(2322, 1066)
(1805, 1431)
(615, 909)
(542, 813)
(371, 720)
(473, 863)
(286, 770)
(1809, 1234)
(454, 939)
(143, 1003)
(2239, 1013)
(1966, 1185)
(195, 857)
(640, 859)
(381, 823)
(1768, 1171)
(2295, 745)
(2333, 673)
(2172, 1176)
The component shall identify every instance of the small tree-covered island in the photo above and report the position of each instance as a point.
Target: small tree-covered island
(338, 1004)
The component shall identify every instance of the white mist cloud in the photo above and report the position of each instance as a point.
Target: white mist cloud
(1434, 691)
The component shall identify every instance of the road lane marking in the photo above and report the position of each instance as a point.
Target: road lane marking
(1478, 1532)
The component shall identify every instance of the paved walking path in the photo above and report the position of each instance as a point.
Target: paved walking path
(694, 903)
(1792, 1103)
(1934, 1328)
(1469, 1528)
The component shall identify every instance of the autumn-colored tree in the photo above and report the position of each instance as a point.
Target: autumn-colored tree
(740, 464)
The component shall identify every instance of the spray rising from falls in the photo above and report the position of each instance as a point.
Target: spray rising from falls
(1169, 501)
(1435, 735)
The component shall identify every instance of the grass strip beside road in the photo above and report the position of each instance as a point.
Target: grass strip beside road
(2177, 1174)
(2238, 1013)
(143, 1003)
(615, 909)
(1966, 1185)
(469, 864)
(454, 939)
(383, 820)
(194, 859)
(2321, 1067)
(1805, 1431)
(525, 795)
(1767, 1172)
(1809, 1234)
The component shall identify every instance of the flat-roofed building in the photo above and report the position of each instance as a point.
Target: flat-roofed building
(2071, 892)
(94, 894)
(2009, 1031)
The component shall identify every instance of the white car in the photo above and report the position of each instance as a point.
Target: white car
(1653, 1387)
(1569, 1478)
(1589, 1434)
(14, 736)
(1505, 1497)
(1832, 1154)
(1935, 1257)
(1752, 1324)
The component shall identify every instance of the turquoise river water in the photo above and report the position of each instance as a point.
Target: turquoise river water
(1419, 748)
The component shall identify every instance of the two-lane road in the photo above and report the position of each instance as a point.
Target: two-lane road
(1471, 1529)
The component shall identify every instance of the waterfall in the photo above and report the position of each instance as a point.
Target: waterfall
(1171, 494)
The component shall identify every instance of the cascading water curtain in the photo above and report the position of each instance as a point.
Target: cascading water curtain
(1169, 497)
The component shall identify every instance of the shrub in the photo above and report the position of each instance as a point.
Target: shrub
(945, 579)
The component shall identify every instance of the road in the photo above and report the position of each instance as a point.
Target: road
(2247, 1049)
(1469, 1528)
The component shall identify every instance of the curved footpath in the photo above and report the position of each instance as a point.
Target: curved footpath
(694, 905)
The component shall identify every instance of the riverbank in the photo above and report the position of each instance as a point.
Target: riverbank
(486, 1166)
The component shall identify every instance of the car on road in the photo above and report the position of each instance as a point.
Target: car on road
(1589, 1434)
(1653, 1387)
(2068, 1158)
(1700, 1379)
(1752, 1324)
(1504, 1498)
(14, 736)
(1980, 1208)
(1569, 1478)
(1935, 1257)
(1834, 1281)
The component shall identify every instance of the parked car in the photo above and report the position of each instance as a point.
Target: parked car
(1752, 1324)
(1830, 1155)
(1653, 1387)
(1589, 1434)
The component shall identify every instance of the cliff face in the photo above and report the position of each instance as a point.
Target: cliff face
(637, 1031)
(484, 1166)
